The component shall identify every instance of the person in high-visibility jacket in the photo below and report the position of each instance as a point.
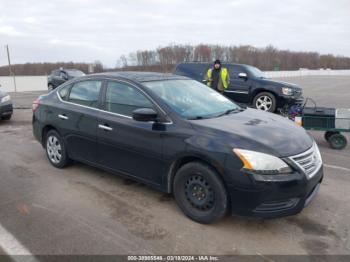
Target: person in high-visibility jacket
(218, 77)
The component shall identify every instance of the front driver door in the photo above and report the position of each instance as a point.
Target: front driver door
(239, 88)
(125, 145)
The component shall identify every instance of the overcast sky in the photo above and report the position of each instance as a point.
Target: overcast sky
(88, 30)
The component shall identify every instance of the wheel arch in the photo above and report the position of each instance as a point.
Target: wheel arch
(44, 131)
(183, 160)
(261, 90)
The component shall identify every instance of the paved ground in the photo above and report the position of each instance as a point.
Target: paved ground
(82, 210)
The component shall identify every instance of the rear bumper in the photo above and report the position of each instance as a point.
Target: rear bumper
(6, 109)
(269, 199)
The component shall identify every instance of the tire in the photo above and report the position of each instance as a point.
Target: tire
(50, 87)
(200, 193)
(328, 134)
(8, 117)
(265, 101)
(56, 150)
(337, 141)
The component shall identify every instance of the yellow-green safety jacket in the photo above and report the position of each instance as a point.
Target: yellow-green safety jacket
(224, 79)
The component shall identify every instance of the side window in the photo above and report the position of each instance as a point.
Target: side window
(124, 99)
(64, 91)
(85, 93)
(234, 71)
(63, 75)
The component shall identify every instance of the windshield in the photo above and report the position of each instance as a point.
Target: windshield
(191, 99)
(255, 72)
(75, 73)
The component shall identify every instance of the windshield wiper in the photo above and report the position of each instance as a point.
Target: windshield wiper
(227, 112)
(197, 117)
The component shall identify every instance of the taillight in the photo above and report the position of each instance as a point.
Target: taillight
(35, 105)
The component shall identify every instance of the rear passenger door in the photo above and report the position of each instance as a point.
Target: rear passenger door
(125, 145)
(76, 118)
(239, 89)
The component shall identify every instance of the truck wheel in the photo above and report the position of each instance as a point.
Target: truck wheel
(328, 134)
(265, 101)
(337, 141)
(8, 117)
(200, 193)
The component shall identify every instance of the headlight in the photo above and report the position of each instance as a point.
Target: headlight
(287, 91)
(5, 98)
(262, 163)
(318, 153)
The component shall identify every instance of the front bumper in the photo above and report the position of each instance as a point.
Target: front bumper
(275, 198)
(6, 109)
(290, 100)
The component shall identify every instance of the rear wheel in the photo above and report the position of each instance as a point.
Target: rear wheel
(337, 141)
(265, 101)
(200, 193)
(328, 134)
(55, 150)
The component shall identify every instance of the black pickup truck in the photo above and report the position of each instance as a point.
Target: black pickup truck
(248, 86)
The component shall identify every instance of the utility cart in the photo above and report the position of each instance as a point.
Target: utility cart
(332, 121)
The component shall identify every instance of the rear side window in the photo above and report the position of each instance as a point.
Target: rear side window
(123, 99)
(85, 93)
(64, 92)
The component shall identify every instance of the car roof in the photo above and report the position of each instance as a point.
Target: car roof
(210, 63)
(141, 76)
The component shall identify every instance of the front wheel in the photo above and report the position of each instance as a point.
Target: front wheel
(55, 150)
(8, 117)
(200, 193)
(265, 101)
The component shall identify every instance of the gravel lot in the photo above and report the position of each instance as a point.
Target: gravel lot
(82, 210)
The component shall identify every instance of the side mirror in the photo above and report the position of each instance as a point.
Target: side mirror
(144, 115)
(243, 76)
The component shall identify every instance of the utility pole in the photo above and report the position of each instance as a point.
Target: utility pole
(10, 68)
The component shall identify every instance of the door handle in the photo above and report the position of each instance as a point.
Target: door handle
(64, 117)
(104, 127)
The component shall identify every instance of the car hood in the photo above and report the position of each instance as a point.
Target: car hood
(259, 131)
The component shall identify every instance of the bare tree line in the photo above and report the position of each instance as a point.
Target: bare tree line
(164, 59)
(267, 58)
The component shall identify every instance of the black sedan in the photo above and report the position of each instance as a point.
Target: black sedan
(6, 109)
(181, 137)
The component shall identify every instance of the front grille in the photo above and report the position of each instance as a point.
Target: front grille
(298, 93)
(309, 162)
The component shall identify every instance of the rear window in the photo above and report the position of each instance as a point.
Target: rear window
(85, 93)
(64, 91)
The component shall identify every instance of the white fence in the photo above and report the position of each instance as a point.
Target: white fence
(39, 83)
(23, 83)
(299, 73)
